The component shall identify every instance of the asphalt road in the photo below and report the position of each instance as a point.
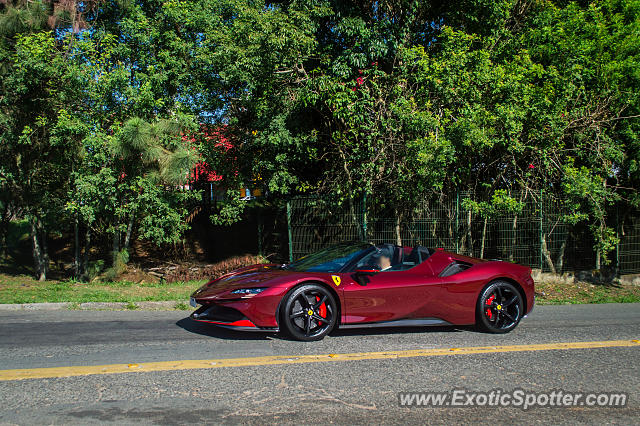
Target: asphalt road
(352, 392)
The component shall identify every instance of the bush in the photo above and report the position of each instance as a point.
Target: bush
(94, 269)
(189, 272)
(119, 266)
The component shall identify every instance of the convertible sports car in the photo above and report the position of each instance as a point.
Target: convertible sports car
(365, 285)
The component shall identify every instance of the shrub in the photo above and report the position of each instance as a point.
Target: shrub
(190, 272)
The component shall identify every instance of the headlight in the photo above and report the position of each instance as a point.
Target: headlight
(248, 290)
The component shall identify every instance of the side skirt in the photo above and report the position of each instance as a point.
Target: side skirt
(399, 323)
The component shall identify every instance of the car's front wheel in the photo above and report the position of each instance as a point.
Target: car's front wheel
(308, 312)
(499, 308)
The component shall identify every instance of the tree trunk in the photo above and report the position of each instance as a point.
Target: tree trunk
(599, 254)
(115, 246)
(4, 231)
(38, 256)
(87, 247)
(45, 249)
(76, 251)
(560, 258)
(484, 235)
(436, 237)
(398, 237)
(547, 255)
(463, 244)
(469, 233)
(127, 238)
(514, 228)
(4, 253)
(4, 250)
(354, 219)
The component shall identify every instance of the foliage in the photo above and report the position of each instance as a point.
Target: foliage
(40, 139)
(501, 203)
(493, 97)
(402, 100)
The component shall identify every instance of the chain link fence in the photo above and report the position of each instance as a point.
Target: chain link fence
(535, 235)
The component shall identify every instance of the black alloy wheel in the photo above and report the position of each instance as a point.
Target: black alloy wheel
(308, 312)
(500, 307)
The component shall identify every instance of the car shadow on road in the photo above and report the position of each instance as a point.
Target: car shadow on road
(398, 330)
(214, 331)
(211, 330)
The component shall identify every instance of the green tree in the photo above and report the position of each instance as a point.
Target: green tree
(136, 158)
(400, 100)
(40, 138)
(134, 178)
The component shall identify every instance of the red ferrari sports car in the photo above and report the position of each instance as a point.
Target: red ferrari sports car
(366, 285)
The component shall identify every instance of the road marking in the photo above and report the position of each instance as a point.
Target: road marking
(86, 370)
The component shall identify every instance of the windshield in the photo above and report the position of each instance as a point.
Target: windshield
(331, 259)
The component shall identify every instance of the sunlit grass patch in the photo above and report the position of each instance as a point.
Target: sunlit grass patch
(24, 289)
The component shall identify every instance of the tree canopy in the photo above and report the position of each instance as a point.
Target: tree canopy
(401, 99)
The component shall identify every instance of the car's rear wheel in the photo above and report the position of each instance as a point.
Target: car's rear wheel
(308, 312)
(499, 307)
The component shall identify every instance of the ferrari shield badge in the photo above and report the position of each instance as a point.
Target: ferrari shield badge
(336, 280)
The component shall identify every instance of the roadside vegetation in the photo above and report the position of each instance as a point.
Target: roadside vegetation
(26, 289)
(107, 106)
(170, 283)
(564, 293)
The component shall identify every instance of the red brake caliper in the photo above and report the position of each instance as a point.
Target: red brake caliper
(322, 310)
(489, 302)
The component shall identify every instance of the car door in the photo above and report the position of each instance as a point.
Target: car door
(390, 295)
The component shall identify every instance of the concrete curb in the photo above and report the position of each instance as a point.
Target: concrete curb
(97, 306)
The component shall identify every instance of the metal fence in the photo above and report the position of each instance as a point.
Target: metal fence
(628, 251)
(315, 223)
(536, 235)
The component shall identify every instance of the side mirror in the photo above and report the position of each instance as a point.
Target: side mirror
(367, 272)
(361, 276)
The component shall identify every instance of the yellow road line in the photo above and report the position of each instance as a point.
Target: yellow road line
(85, 370)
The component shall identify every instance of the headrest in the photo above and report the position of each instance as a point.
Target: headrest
(384, 250)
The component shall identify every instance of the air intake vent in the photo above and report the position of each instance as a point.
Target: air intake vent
(455, 267)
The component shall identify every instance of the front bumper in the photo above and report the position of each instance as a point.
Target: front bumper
(227, 317)
(260, 309)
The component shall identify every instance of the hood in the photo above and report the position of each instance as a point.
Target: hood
(262, 275)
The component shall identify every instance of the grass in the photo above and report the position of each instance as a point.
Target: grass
(563, 293)
(182, 306)
(131, 306)
(24, 289)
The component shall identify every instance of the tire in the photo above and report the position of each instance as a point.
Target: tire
(499, 307)
(308, 312)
